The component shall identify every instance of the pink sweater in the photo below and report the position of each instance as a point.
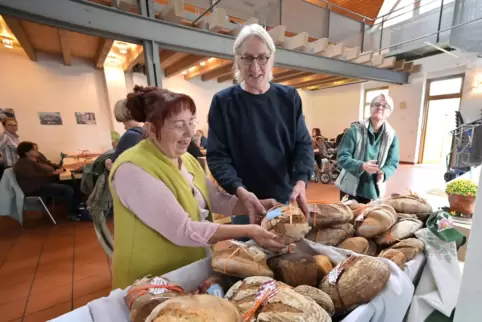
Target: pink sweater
(155, 205)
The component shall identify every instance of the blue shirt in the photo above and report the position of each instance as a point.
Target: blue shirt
(259, 142)
(130, 138)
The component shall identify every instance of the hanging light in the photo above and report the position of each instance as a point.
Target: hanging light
(8, 43)
(123, 47)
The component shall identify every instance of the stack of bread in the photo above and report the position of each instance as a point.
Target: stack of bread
(331, 223)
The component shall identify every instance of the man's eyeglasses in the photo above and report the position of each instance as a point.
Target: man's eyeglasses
(181, 125)
(248, 60)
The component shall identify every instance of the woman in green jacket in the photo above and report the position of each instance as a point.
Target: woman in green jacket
(369, 154)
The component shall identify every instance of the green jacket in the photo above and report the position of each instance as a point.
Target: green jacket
(138, 249)
(360, 144)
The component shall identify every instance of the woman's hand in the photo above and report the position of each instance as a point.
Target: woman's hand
(264, 238)
(251, 205)
(108, 164)
(370, 167)
(380, 176)
(299, 195)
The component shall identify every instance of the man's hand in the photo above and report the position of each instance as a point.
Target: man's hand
(370, 167)
(108, 164)
(299, 195)
(253, 207)
(380, 177)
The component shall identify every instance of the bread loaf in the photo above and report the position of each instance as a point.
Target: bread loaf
(409, 204)
(142, 297)
(241, 260)
(295, 269)
(372, 248)
(332, 236)
(324, 265)
(317, 295)
(405, 216)
(327, 215)
(288, 222)
(395, 256)
(357, 244)
(283, 305)
(356, 280)
(404, 228)
(375, 220)
(410, 247)
(195, 308)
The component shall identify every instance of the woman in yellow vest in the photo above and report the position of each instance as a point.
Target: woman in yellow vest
(162, 197)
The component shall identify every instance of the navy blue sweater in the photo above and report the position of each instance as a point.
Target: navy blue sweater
(259, 142)
(130, 138)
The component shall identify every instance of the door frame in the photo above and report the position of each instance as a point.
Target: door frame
(428, 99)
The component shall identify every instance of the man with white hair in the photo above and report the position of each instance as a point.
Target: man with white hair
(259, 146)
(369, 154)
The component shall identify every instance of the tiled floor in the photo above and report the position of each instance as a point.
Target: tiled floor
(47, 270)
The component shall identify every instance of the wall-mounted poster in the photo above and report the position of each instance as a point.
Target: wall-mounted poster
(50, 118)
(85, 118)
(8, 112)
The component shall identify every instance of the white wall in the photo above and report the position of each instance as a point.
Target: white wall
(49, 86)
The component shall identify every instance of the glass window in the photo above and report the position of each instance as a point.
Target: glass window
(446, 86)
(369, 96)
(429, 5)
(402, 12)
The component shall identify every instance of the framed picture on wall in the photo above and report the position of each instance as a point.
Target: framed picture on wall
(50, 118)
(8, 112)
(85, 118)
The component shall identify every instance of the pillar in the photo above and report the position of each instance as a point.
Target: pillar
(115, 80)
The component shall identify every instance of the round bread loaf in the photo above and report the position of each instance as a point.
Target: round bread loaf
(409, 204)
(332, 236)
(295, 269)
(241, 260)
(404, 228)
(357, 244)
(287, 222)
(327, 215)
(324, 265)
(410, 247)
(395, 256)
(141, 298)
(405, 216)
(356, 280)
(375, 220)
(285, 305)
(195, 308)
(317, 295)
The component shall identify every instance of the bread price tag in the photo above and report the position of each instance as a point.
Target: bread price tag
(265, 292)
(237, 243)
(274, 214)
(360, 218)
(161, 282)
(215, 290)
(334, 274)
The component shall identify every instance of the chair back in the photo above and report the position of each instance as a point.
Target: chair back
(11, 181)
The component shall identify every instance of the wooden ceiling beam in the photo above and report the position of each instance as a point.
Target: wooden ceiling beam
(182, 65)
(346, 81)
(218, 72)
(168, 57)
(225, 78)
(313, 77)
(327, 80)
(102, 52)
(209, 65)
(134, 57)
(290, 74)
(19, 32)
(65, 46)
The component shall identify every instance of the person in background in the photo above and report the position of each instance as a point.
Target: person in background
(204, 140)
(194, 147)
(9, 141)
(38, 179)
(339, 137)
(133, 135)
(369, 154)
(43, 159)
(319, 146)
(162, 198)
(259, 146)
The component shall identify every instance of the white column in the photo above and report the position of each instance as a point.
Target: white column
(469, 304)
(115, 80)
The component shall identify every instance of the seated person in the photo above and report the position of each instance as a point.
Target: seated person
(318, 143)
(43, 159)
(38, 179)
(204, 140)
(194, 147)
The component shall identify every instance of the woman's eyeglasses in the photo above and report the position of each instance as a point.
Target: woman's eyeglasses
(248, 60)
(382, 106)
(180, 126)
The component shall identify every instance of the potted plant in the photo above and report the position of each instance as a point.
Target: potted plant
(462, 196)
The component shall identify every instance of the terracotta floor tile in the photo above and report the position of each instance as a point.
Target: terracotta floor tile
(91, 284)
(14, 292)
(12, 310)
(52, 281)
(10, 266)
(19, 277)
(90, 269)
(81, 301)
(41, 300)
(50, 313)
(57, 267)
(49, 256)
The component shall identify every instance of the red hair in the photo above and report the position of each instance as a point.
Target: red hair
(155, 105)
